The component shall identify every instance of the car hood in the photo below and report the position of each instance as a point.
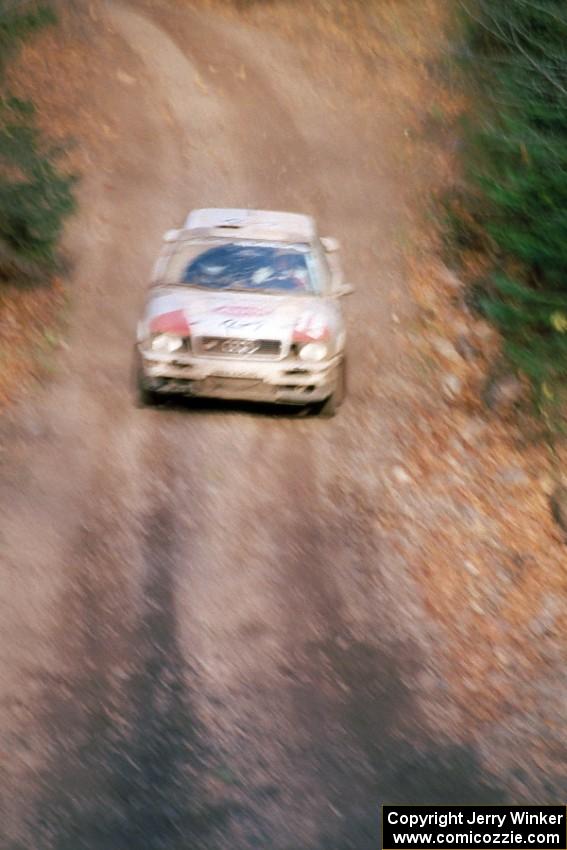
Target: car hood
(239, 314)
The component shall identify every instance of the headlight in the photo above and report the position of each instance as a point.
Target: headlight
(314, 351)
(166, 343)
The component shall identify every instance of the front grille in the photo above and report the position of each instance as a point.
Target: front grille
(220, 346)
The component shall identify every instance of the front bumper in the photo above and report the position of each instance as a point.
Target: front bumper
(289, 381)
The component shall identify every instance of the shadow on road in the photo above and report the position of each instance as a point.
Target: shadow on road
(405, 765)
(212, 406)
(125, 749)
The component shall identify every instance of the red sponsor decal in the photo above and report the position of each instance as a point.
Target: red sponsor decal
(311, 336)
(174, 322)
(311, 328)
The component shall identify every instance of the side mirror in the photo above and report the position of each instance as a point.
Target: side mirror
(343, 289)
(170, 235)
(330, 244)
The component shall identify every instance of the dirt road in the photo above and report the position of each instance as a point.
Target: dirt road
(208, 637)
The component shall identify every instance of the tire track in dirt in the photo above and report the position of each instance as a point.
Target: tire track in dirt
(241, 135)
(360, 737)
(126, 754)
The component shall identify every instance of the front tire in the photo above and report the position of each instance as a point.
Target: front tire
(143, 397)
(328, 408)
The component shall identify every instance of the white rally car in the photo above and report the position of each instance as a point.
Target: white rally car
(244, 304)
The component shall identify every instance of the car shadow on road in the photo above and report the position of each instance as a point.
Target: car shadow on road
(126, 754)
(402, 761)
(206, 406)
(434, 775)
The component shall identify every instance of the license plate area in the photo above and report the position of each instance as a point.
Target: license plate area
(218, 382)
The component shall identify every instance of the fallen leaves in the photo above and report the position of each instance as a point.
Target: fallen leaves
(28, 317)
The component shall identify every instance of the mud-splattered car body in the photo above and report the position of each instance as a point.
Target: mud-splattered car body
(245, 305)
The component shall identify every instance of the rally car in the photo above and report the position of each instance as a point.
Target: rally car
(245, 304)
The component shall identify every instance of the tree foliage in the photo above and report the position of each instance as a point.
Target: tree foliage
(35, 197)
(516, 162)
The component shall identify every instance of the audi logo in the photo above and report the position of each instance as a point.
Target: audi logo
(239, 346)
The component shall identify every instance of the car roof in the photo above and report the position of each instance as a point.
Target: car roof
(248, 223)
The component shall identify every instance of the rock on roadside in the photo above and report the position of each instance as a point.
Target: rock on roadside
(503, 393)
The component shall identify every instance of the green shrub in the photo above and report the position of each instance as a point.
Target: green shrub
(35, 197)
(17, 21)
(516, 162)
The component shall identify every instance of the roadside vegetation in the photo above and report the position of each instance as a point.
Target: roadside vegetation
(514, 206)
(35, 197)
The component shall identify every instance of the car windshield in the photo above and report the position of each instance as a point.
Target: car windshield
(245, 266)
